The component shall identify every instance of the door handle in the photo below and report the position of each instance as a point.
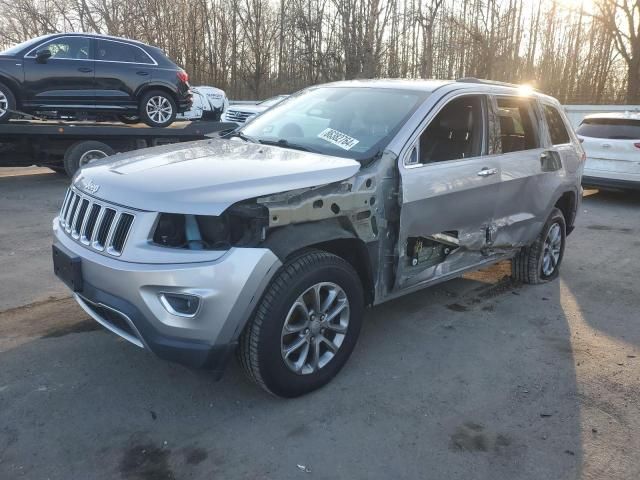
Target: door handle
(485, 172)
(85, 69)
(143, 73)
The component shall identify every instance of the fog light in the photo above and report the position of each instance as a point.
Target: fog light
(180, 304)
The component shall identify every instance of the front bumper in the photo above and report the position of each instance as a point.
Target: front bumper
(125, 298)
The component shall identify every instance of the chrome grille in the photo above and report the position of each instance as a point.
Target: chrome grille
(93, 223)
(237, 116)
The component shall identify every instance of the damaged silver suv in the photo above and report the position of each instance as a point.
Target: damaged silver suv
(271, 242)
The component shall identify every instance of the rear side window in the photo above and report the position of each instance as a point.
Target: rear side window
(518, 124)
(610, 128)
(557, 127)
(120, 52)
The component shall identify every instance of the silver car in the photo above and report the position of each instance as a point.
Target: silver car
(272, 242)
(242, 113)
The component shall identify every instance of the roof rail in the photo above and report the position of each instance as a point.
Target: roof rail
(488, 82)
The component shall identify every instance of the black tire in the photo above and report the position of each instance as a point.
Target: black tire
(259, 351)
(129, 119)
(73, 157)
(159, 94)
(7, 103)
(527, 265)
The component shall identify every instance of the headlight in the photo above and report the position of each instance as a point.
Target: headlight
(241, 224)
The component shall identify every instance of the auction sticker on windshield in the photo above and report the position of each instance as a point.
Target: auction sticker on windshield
(340, 139)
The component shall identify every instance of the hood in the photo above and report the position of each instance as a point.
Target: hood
(207, 176)
(248, 108)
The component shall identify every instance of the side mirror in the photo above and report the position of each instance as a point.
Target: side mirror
(43, 55)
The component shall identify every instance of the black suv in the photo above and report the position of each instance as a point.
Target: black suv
(76, 72)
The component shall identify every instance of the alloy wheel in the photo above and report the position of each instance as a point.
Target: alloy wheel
(552, 249)
(159, 109)
(315, 328)
(4, 104)
(90, 156)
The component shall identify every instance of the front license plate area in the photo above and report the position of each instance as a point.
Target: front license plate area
(68, 269)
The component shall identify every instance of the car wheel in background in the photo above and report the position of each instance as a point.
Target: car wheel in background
(158, 109)
(129, 119)
(81, 154)
(540, 262)
(7, 103)
(305, 326)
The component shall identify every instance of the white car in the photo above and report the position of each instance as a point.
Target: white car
(209, 103)
(241, 113)
(612, 144)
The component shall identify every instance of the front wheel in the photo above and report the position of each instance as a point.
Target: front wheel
(305, 326)
(7, 103)
(540, 262)
(158, 109)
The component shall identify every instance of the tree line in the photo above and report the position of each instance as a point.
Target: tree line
(580, 51)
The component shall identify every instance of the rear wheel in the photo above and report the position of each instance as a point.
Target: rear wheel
(81, 154)
(7, 103)
(158, 109)
(540, 262)
(305, 326)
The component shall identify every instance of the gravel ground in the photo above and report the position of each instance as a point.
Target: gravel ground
(478, 378)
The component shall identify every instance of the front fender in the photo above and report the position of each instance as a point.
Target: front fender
(291, 238)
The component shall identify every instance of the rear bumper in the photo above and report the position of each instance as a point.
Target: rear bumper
(185, 98)
(613, 183)
(185, 104)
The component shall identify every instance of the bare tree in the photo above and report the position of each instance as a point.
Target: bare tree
(256, 48)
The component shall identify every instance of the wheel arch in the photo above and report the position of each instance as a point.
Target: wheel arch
(13, 86)
(147, 87)
(329, 236)
(567, 203)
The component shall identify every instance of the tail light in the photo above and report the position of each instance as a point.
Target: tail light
(637, 145)
(183, 76)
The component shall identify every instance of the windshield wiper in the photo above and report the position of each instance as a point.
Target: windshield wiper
(282, 142)
(243, 136)
(373, 158)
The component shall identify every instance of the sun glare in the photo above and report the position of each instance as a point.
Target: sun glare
(525, 89)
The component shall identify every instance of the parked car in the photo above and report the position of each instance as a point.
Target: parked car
(612, 144)
(240, 114)
(209, 103)
(69, 73)
(272, 242)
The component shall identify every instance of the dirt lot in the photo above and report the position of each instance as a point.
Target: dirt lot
(479, 378)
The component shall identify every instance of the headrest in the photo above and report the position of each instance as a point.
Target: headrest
(458, 120)
(507, 125)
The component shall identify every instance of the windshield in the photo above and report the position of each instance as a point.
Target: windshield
(610, 128)
(351, 122)
(19, 47)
